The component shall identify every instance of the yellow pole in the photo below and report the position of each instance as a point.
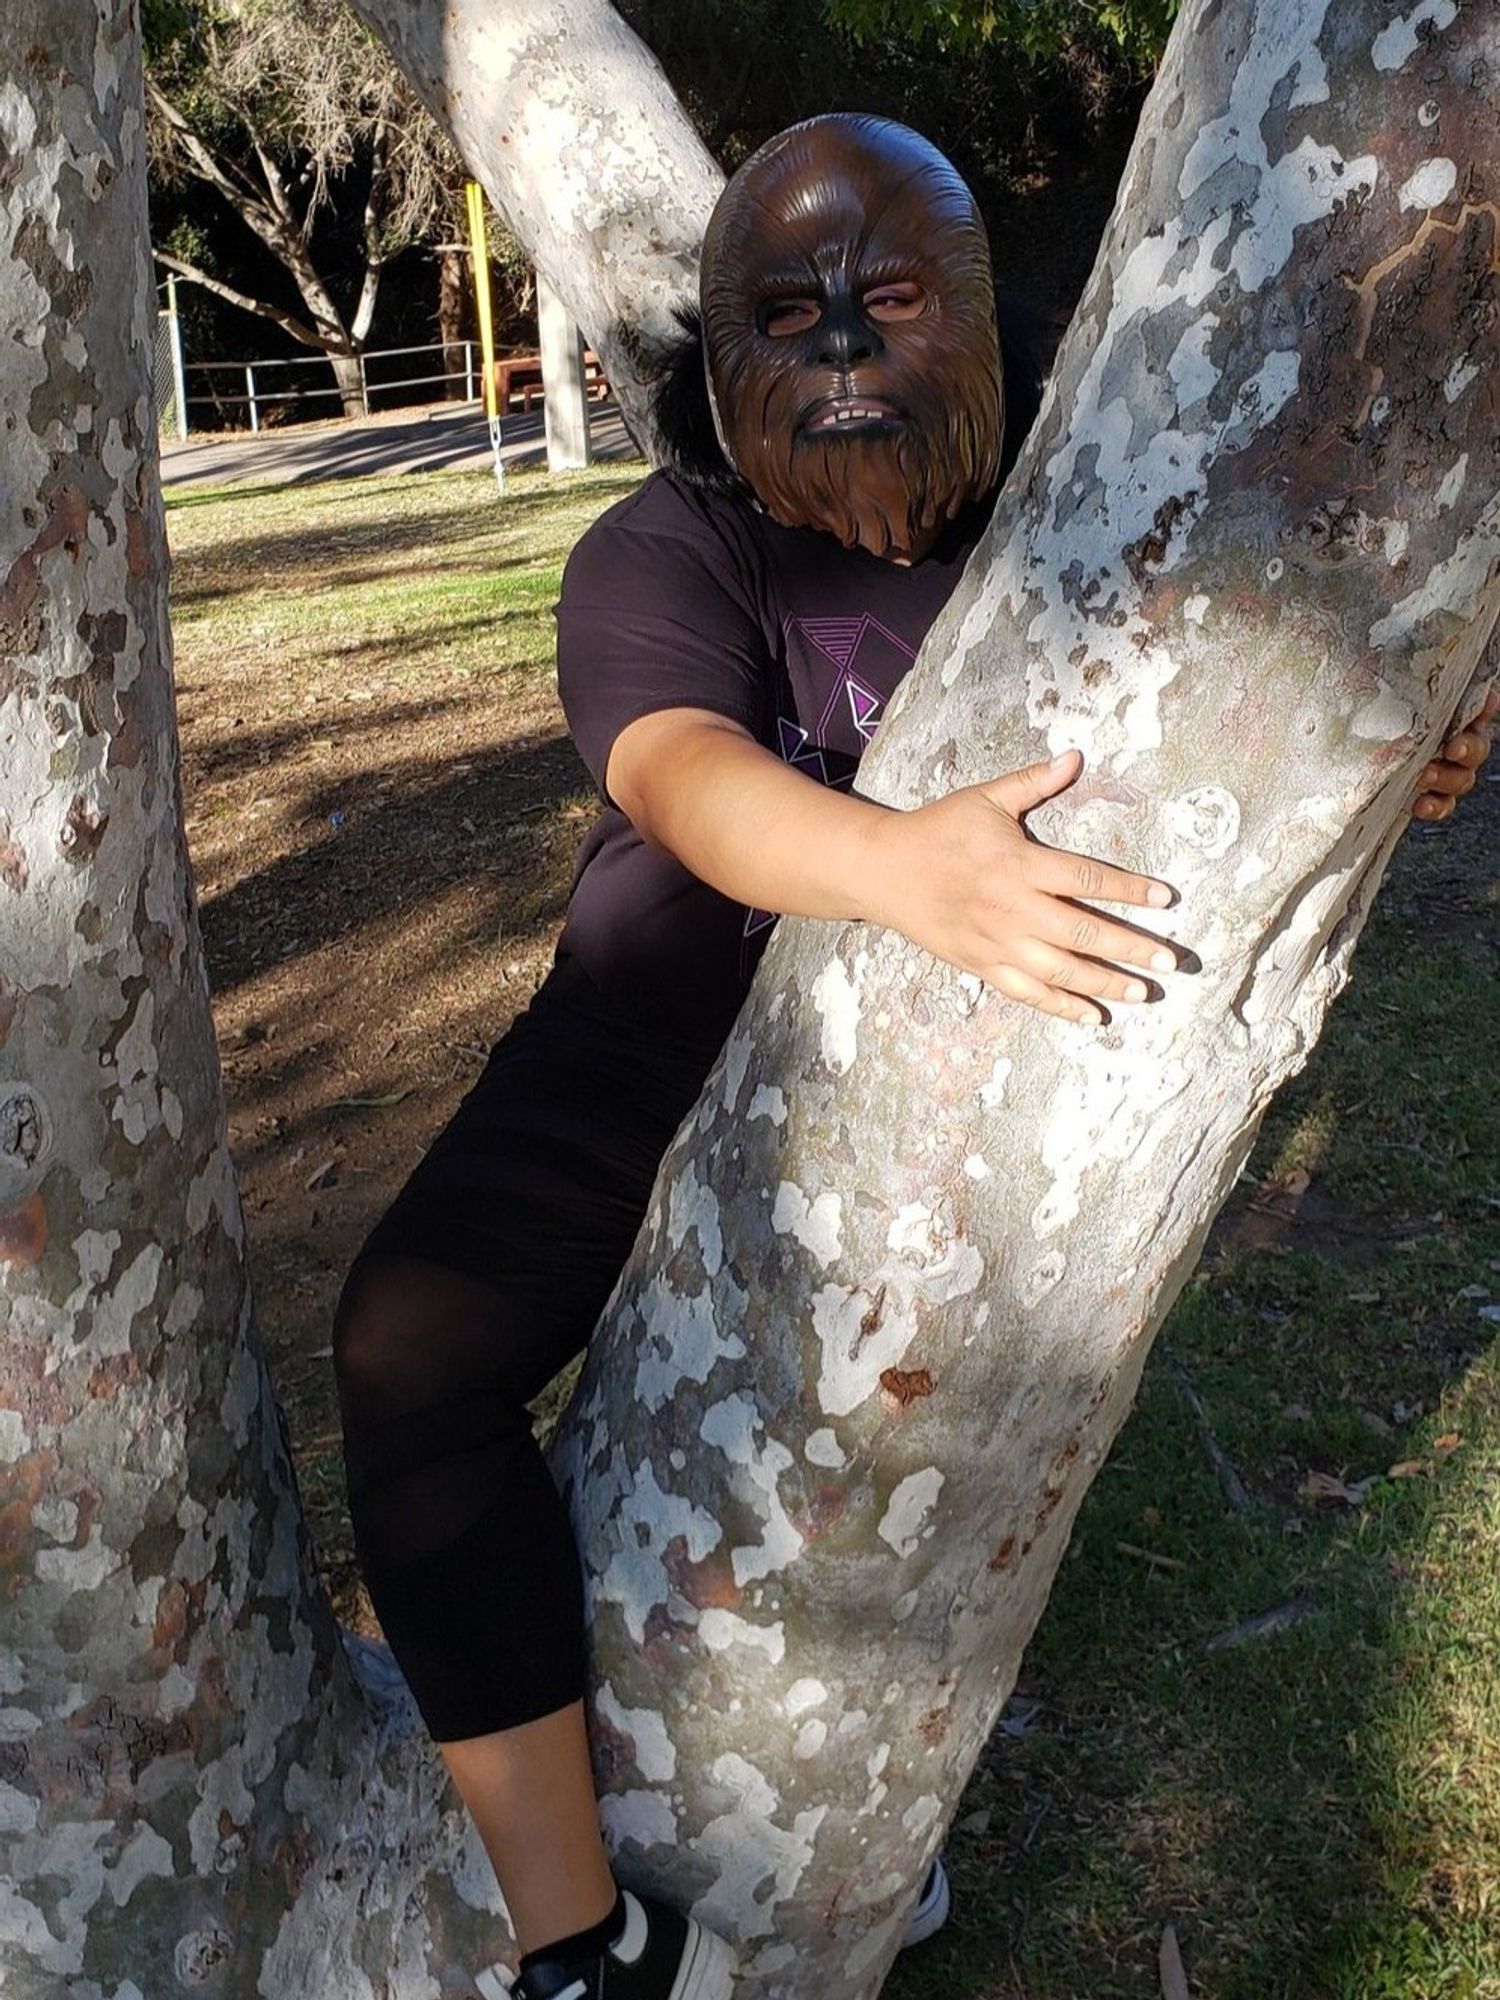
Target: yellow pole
(479, 248)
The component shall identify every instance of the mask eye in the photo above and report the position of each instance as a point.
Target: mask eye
(782, 317)
(899, 300)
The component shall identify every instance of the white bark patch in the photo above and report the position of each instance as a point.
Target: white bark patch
(1398, 43)
(1192, 374)
(650, 1520)
(736, 1060)
(908, 1508)
(823, 1448)
(720, 1629)
(803, 1695)
(1459, 377)
(693, 1206)
(992, 1093)
(647, 1819)
(145, 1854)
(861, 1335)
(15, 1439)
(835, 995)
(768, 1102)
(731, 1426)
(79, 1569)
(18, 1810)
(115, 1311)
(682, 1342)
(921, 1813)
(655, 1757)
(817, 1225)
(759, 1862)
(1458, 579)
(1452, 483)
(1106, 1109)
(1430, 186)
(810, 1738)
(1206, 818)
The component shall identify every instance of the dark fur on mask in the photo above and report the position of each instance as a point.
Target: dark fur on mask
(689, 439)
(849, 325)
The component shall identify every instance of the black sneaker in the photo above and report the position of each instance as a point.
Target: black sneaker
(659, 1955)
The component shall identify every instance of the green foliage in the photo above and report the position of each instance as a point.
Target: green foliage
(1037, 29)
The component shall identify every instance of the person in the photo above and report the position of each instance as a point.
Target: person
(728, 637)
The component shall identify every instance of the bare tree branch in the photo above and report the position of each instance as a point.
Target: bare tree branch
(285, 320)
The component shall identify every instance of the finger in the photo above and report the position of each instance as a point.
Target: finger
(1432, 806)
(1059, 873)
(1451, 780)
(1018, 791)
(1489, 709)
(1467, 747)
(1019, 985)
(1083, 977)
(1069, 928)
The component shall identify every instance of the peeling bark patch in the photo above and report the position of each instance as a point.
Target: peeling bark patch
(906, 1385)
(25, 1132)
(9, 1006)
(23, 1233)
(82, 832)
(904, 1523)
(15, 871)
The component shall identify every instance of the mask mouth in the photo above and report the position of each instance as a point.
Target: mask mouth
(847, 416)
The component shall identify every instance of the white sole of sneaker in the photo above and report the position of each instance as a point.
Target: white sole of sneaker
(931, 1913)
(707, 1969)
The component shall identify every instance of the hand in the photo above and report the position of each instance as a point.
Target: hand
(1452, 773)
(961, 878)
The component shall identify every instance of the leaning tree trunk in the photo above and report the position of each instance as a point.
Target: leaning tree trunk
(564, 115)
(906, 1258)
(904, 1264)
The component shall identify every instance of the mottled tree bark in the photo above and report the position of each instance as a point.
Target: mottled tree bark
(906, 1258)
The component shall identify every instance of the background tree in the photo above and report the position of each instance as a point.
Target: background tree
(296, 120)
(906, 1259)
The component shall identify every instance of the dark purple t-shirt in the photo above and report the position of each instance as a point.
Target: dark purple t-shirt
(679, 599)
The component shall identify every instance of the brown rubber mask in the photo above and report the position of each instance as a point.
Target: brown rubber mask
(849, 332)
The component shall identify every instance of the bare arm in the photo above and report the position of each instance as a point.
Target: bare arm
(958, 876)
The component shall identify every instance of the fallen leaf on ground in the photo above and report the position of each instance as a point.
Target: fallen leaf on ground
(1449, 1441)
(1409, 1468)
(1325, 1486)
(322, 1177)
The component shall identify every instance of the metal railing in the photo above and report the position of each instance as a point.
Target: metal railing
(256, 398)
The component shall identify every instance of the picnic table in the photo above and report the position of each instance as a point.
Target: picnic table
(518, 381)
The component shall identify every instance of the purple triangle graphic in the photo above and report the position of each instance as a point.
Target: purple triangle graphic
(837, 639)
(757, 921)
(864, 705)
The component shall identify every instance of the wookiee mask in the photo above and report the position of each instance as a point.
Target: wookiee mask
(849, 333)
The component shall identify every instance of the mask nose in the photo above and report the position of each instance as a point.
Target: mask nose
(843, 337)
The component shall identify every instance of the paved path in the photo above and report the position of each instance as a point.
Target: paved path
(439, 439)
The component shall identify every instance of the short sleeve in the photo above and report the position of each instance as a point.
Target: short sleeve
(658, 610)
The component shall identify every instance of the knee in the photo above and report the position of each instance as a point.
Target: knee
(372, 1331)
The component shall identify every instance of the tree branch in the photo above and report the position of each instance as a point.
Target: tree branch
(285, 320)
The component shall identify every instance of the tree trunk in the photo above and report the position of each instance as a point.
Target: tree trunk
(564, 115)
(906, 1258)
(452, 304)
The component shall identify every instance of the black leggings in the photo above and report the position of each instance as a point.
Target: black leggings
(483, 1280)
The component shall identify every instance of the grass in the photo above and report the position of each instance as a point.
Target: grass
(1315, 1809)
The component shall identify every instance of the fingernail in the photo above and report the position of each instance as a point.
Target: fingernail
(1136, 990)
(1163, 961)
(1158, 895)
